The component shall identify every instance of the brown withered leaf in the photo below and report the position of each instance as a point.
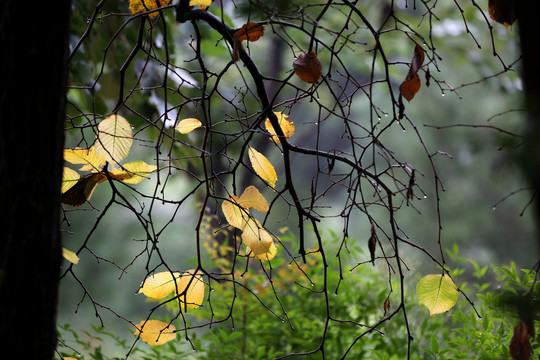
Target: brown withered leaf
(520, 345)
(411, 84)
(386, 305)
(83, 189)
(308, 67)
(502, 11)
(250, 32)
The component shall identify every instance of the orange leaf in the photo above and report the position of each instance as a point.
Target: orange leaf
(250, 32)
(308, 67)
(411, 84)
(502, 11)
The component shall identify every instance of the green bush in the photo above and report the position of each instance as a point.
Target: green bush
(279, 308)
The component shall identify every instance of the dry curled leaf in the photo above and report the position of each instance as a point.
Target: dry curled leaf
(250, 32)
(81, 192)
(520, 345)
(411, 84)
(308, 67)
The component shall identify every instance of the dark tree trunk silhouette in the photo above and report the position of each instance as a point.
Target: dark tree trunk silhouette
(529, 32)
(33, 73)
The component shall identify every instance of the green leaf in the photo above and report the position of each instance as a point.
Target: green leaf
(437, 292)
(434, 344)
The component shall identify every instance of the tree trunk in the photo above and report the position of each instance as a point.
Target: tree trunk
(529, 33)
(33, 39)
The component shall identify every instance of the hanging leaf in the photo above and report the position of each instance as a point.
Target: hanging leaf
(252, 198)
(256, 237)
(69, 178)
(411, 84)
(88, 157)
(141, 6)
(203, 4)
(188, 125)
(235, 214)
(262, 167)
(287, 126)
(70, 256)
(159, 285)
(83, 189)
(437, 292)
(520, 345)
(133, 172)
(113, 139)
(308, 67)
(502, 11)
(268, 255)
(250, 32)
(155, 332)
(194, 295)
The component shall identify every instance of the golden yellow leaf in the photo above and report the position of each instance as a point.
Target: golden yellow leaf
(113, 139)
(194, 295)
(203, 4)
(287, 126)
(133, 172)
(159, 285)
(269, 255)
(187, 125)
(252, 198)
(69, 179)
(70, 256)
(262, 167)
(88, 157)
(155, 332)
(235, 214)
(256, 237)
(141, 6)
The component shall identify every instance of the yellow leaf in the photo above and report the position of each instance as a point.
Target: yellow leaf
(194, 295)
(88, 157)
(69, 179)
(133, 172)
(159, 285)
(113, 139)
(70, 256)
(155, 332)
(252, 198)
(286, 125)
(235, 214)
(262, 167)
(141, 6)
(437, 292)
(256, 237)
(187, 125)
(269, 255)
(203, 4)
